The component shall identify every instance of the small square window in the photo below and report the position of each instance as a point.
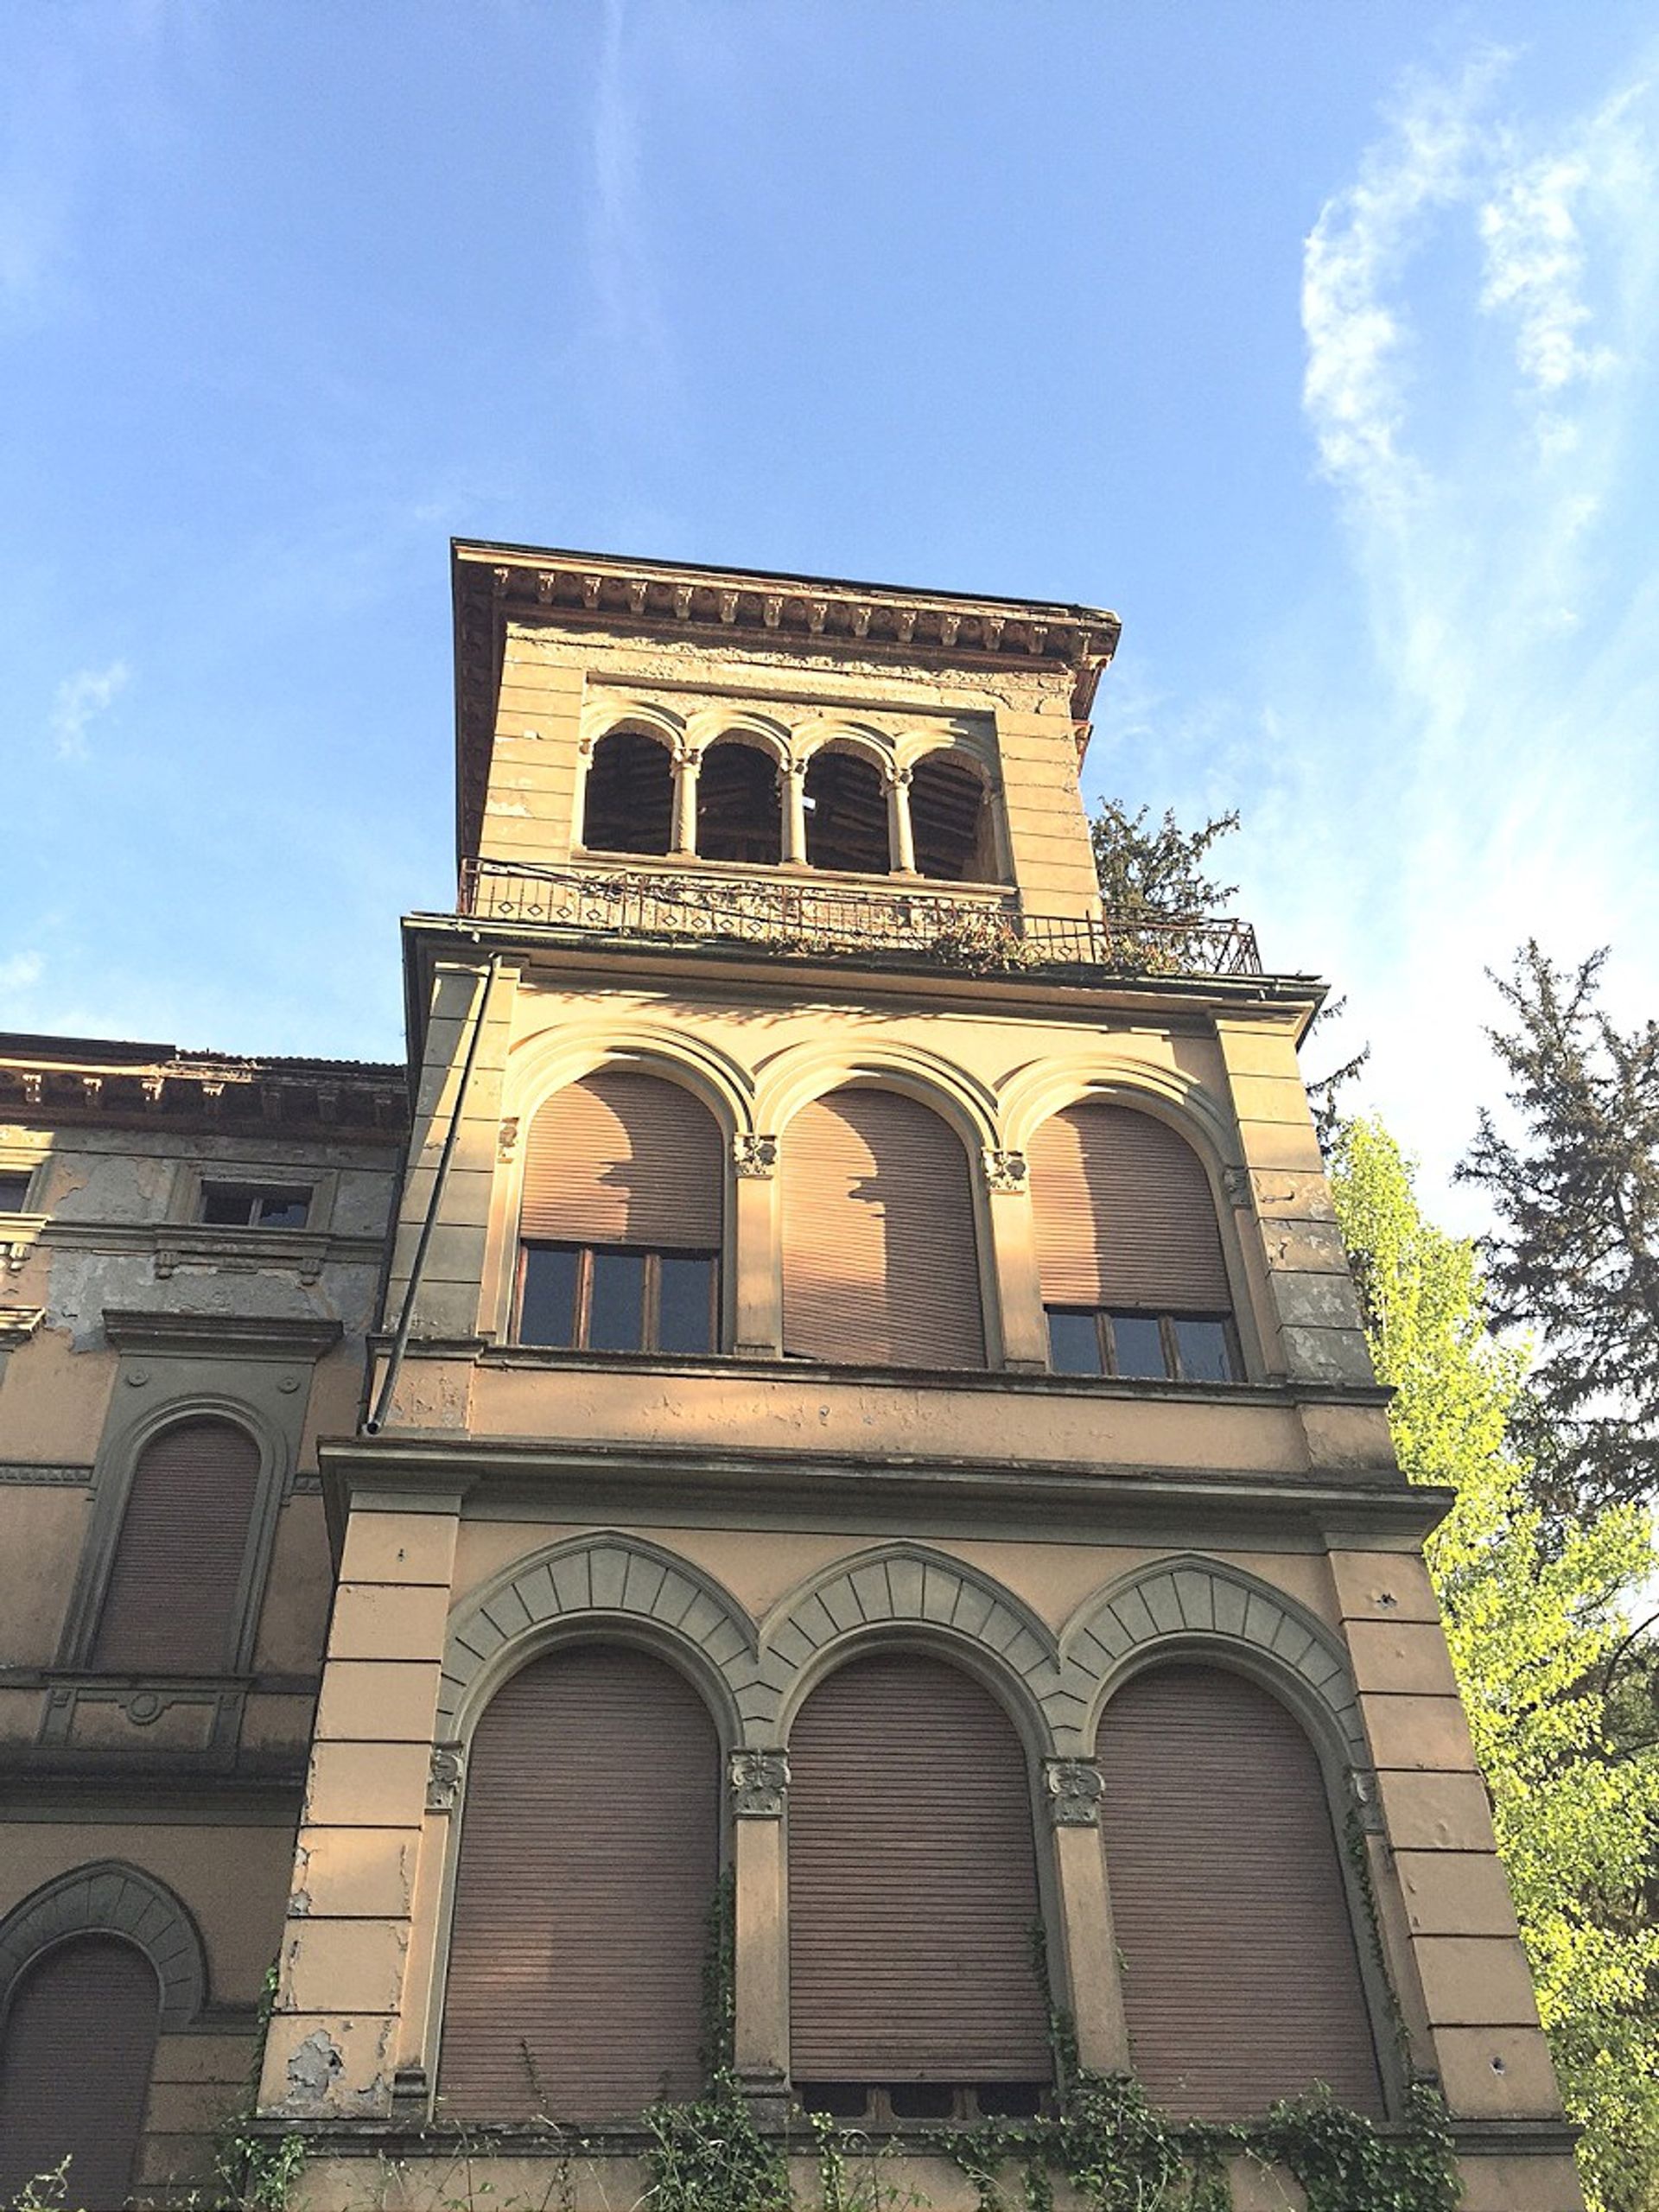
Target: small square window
(13, 1189)
(253, 1206)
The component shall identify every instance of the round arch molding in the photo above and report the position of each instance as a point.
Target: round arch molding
(1036, 1092)
(801, 1074)
(550, 1059)
(1194, 1607)
(111, 1898)
(597, 1580)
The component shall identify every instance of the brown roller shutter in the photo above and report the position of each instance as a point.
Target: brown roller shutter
(171, 1600)
(1125, 1215)
(590, 1852)
(79, 2050)
(881, 1260)
(1241, 1976)
(913, 1882)
(624, 1159)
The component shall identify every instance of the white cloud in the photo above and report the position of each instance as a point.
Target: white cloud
(80, 699)
(19, 972)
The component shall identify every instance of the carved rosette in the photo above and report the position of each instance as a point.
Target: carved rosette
(755, 1157)
(444, 1779)
(759, 1783)
(1005, 1172)
(1072, 1788)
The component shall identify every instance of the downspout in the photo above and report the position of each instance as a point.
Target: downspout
(417, 1266)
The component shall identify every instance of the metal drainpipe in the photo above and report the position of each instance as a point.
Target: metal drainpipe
(405, 1319)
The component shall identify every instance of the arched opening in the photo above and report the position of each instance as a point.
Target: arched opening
(880, 1254)
(76, 2057)
(740, 808)
(620, 1225)
(912, 1889)
(172, 1599)
(1242, 1980)
(950, 823)
(1133, 1279)
(628, 804)
(846, 815)
(589, 1850)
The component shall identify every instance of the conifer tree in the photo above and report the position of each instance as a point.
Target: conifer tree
(1157, 870)
(1574, 1257)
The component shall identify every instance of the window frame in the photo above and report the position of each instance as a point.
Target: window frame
(1168, 1339)
(258, 1194)
(650, 1305)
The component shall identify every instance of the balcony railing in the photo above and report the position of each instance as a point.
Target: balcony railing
(975, 930)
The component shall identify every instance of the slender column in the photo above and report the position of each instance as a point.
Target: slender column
(792, 777)
(901, 846)
(1093, 1990)
(756, 1312)
(686, 766)
(1014, 1262)
(759, 1785)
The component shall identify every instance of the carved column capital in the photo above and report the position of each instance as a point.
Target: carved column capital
(444, 1779)
(759, 1784)
(1072, 1788)
(507, 1138)
(755, 1156)
(1235, 1186)
(1004, 1171)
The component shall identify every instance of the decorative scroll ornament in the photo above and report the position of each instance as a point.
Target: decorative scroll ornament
(755, 1157)
(444, 1779)
(1004, 1171)
(759, 1783)
(1073, 1788)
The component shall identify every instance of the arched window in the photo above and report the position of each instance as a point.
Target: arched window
(589, 1850)
(1133, 1276)
(173, 1600)
(628, 802)
(846, 815)
(620, 1228)
(950, 823)
(912, 1897)
(740, 808)
(77, 2050)
(1241, 1977)
(881, 1264)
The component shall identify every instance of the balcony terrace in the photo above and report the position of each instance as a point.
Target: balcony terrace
(962, 927)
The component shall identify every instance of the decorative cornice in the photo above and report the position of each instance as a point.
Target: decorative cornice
(69, 1080)
(37, 1471)
(174, 1244)
(220, 1336)
(773, 613)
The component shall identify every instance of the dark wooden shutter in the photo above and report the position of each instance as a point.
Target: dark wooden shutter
(1125, 1215)
(1241, 1976)
(913, 1882)
(589, 1850)
(170, 1603)
(624, 1159)
(880, 1260)
(75, 2063)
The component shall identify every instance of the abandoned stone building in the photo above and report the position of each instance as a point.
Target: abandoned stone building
(829, 1383)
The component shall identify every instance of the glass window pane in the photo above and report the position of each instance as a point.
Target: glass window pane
(684, 1312)
(1204, 1353)
(1073, 1343)
(1139, 1346)
(616, 1318)
(283, 1210)
(547, 1307)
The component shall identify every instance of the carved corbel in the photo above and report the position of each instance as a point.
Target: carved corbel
(1236, 1186)
(754, 1156)
(1005, 1172)
(759, 1784)
(1072, 1788)
(444, 1779)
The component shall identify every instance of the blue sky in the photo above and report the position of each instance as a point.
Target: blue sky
(1319, 341)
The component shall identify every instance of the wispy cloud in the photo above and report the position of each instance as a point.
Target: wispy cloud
(1480, 305)
(80, 699)
(631, 325)
(20, 972)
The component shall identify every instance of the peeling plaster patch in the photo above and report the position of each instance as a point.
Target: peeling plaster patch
(313, 2066)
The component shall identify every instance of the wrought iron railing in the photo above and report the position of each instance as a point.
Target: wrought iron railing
(969, 928)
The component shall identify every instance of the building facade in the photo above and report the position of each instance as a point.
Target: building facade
(864, 1427)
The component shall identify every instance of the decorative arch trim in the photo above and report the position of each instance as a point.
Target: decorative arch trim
(796, 1079)
(821, 735)
(605, 1578)
(604, 717)
(902, 1586)
(1044, 1088)
(912, 747)
(712, 726)
(1191, 1605)
(548, 1062)
(109, 1897)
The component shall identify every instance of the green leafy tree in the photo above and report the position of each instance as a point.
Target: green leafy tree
(1146, 868)
(1535, 1618)
(1574, 1257)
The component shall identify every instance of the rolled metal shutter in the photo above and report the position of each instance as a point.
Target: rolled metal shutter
(1241, 1977)
(589, 1850)
(1125, 1214)
(880, 1258)
(913, 1882)
(78, 2052)
(170, 1603)
(624, 1159)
